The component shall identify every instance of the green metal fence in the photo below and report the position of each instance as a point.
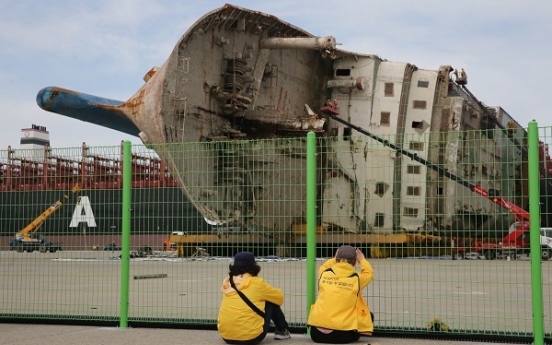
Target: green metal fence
(149, 235)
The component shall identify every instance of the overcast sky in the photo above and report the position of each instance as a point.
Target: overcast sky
(104, 47)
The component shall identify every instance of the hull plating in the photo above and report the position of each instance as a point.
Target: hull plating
(238, 74)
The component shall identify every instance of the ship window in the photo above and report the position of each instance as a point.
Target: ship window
(474, 170)
(439, 190)
(342, 72)
(441, 159)
(489, 133)
(417, 124)
(389, 90)
(423, 83)
(385, 119)
(413, 169)
(410, 212)
(381, 188)
(380, 220)
(346, 133)
(420, 105)
(416, 145)
(412, 190)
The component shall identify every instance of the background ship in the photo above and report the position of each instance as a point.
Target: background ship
(238, 74)
(33, 177)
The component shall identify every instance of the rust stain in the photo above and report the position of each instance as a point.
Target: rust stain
(279, 98)
(55, 93)
(136, 103)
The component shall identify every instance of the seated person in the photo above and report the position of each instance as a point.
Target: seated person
(245, 319)
(340, 315)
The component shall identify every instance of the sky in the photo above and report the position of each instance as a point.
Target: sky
(104, 48)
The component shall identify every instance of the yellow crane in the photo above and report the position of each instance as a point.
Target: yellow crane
(26, 239)
(27, 234)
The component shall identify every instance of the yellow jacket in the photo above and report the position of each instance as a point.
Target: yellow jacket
(340, 305)
(236, 320)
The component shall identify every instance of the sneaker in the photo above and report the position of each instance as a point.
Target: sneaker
(280, 335)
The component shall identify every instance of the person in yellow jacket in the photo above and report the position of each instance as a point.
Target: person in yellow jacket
(340, 314)
(238, 322)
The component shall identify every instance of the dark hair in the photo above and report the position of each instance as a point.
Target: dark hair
(236, 271)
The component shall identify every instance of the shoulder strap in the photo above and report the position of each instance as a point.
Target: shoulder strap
(246, 300)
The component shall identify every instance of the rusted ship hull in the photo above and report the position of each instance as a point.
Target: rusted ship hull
(238, 74)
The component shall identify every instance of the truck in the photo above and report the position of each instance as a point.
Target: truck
(28, 239)
(514, 243)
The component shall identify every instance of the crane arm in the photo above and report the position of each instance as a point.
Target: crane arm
(24, 234)
(519, 213)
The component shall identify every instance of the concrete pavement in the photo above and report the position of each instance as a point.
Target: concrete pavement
(30, 334)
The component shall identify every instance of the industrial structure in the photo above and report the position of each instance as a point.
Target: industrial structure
(239, 74)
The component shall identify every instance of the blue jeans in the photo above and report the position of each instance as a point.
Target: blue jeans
(272, 312)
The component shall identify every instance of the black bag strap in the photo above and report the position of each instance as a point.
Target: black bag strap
(245, 299)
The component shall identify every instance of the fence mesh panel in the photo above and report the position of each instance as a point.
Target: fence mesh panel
(437, 243)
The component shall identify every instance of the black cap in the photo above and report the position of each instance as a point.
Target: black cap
(244, 260)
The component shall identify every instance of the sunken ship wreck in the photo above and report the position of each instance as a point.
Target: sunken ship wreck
(239, 74)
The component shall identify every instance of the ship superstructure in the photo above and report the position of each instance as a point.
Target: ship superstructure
(238, 74)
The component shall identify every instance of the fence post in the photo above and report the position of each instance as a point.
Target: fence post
(125, 240)
(311, 219)
(534, 231)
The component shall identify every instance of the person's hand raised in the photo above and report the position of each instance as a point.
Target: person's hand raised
(360, 255)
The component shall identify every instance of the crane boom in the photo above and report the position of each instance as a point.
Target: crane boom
(25, 233)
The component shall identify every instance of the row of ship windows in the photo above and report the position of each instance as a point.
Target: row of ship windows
(381, 188)
(407, 212)
(389, 90)
(385, 119)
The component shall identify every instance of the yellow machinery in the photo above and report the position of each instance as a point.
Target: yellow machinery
(27, 234)
(381, 245)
